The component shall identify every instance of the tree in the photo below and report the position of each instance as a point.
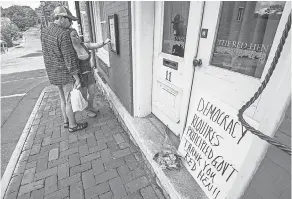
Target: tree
(48, 7)
(22, 16)
(8, 31)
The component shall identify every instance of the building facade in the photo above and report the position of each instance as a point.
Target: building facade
(188, 67)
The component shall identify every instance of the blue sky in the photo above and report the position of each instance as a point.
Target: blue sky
(32, 4)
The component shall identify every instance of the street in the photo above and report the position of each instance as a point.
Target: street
(23, 78)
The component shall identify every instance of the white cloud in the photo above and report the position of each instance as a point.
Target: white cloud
(32, 4)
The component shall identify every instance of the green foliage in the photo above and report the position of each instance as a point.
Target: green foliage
(22, 16)
(48, 7)
(7, 38)
(9, 31)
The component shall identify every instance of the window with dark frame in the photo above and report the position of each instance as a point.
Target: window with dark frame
(239, 14)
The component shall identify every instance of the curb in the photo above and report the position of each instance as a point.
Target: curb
(17, 151)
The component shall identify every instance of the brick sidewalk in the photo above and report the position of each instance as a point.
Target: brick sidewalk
(98, 162)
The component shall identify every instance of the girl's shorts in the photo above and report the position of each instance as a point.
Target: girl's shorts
(87, 79)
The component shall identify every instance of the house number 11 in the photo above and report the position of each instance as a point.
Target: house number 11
(168, 76)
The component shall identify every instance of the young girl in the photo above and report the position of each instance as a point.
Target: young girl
(87, 76)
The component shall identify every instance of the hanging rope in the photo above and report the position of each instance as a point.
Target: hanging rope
(270, 140)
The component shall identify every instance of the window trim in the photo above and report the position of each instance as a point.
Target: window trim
(101, 52)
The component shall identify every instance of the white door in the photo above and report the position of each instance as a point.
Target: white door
(237, 44)
(175, 42)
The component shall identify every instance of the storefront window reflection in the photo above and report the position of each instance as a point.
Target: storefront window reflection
(175, 27)
(245, 35)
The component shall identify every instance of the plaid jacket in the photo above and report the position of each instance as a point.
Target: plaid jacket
(60, 58)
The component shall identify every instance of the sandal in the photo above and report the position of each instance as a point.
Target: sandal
(78, 127)
(66, 125)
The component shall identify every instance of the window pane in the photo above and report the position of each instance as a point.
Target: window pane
(240, 13)
(245, 35)
(85, 26)
(175, 27)
(103, 20)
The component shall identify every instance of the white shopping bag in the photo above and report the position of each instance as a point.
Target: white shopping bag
(77, 100)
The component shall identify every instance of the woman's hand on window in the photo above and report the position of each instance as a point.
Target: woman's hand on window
(107, 41)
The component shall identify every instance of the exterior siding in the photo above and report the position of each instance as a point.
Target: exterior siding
(104, 67)
(272, 180)
(119, 75)
(120, 72)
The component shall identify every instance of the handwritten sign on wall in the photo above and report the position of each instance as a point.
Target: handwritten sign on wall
(214, 145)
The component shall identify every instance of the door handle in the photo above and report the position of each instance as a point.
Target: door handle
(197, 62)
